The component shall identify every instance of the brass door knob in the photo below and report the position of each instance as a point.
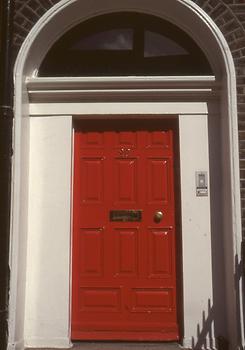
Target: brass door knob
(158, 216)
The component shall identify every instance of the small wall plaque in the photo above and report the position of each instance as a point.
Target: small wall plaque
(201, 183)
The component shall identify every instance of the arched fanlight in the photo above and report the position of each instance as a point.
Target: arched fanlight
(125, 44)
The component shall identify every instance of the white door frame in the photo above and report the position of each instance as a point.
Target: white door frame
(49, 28)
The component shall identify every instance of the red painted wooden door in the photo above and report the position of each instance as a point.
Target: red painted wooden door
(124, 274)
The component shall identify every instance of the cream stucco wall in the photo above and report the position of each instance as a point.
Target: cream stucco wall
(49, 221)
(196, 229)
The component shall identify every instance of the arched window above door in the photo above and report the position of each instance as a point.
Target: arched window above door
(124, 44)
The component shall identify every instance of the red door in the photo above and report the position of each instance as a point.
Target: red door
(124, 273)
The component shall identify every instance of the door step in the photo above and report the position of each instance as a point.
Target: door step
(120, 346)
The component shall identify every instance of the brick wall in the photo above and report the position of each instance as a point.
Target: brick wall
(27, 13)
(229, 15)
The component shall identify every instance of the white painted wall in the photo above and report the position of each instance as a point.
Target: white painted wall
(196, 230)
(48, 249)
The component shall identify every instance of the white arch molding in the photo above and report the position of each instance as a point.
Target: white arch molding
(61, 17)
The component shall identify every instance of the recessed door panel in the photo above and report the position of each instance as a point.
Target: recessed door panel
(152, 300)
(160, 253)
(124, 268)
(158, 185)
(92, 139)
(159, 138)
(126, 139)
(100, 300)
(126, 251)
(125, 181)
(92, 180)
(91, 240)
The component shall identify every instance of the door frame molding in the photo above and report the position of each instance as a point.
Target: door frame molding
(122, 89)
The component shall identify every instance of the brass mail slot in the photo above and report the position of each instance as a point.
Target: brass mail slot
(126, 215)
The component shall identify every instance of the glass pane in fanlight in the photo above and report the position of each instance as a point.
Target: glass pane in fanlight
(156, 45)
(116, 39)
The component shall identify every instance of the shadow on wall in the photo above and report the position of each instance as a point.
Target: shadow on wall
(206, 331)
(214, 321)
(214, 324)
(239, 284)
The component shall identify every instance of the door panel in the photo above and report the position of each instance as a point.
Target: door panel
(124, 273)
(126, 252)
(91, 240)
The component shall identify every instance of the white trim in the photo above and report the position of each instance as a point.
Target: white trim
(49, 28)
(54, 96)
(117, 89)
(123, 108)
(133, 82)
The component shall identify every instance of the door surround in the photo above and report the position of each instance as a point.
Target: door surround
(52, 25)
